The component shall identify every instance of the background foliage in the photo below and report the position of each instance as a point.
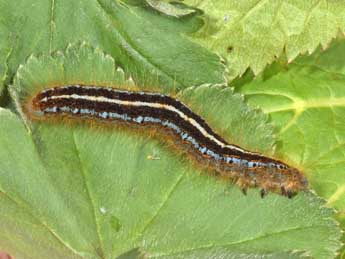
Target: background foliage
(90, 192)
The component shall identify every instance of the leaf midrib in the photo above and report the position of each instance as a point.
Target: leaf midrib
(88, 193)
(299, 104)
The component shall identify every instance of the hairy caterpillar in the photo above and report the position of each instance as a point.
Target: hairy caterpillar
(246, 168)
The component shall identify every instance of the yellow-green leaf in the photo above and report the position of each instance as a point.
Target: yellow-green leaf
(253, 33)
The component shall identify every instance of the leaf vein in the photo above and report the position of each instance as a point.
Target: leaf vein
(227, 245)
(52, 25)
(83, 171)
(126, 43)
(44, 224)
(155, 215)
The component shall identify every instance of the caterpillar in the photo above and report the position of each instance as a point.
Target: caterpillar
(246, 168)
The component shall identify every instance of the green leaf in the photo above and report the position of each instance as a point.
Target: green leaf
(147, 44)
(341, 219)
(307, 104)
(5, 50)
(94, 192)
(253, 33)
(331, 60)
(220, 252)
(306, 101)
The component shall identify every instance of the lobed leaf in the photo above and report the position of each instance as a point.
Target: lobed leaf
(252, 34)
(307, 104)
(147, 44)
(95, 192)
(306, 101)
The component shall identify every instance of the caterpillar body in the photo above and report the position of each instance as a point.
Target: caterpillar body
(246, 168)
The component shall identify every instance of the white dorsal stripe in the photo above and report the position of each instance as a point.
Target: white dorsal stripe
(152, 105)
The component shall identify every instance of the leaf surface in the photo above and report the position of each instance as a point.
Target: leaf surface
(306, 101)
(253, 33)
(96, 192)
(150, 46)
